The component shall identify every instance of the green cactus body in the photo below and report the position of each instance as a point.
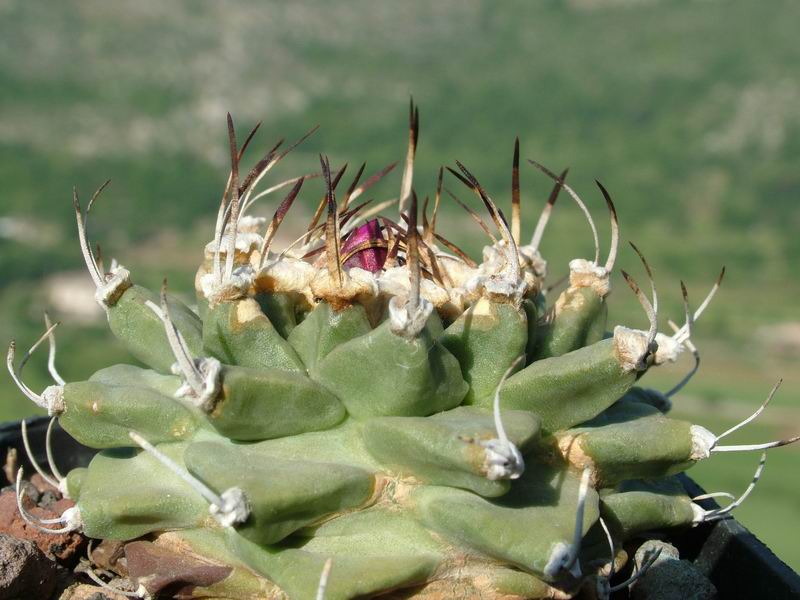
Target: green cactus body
(578, 320)
(133, 376)
(418, 377)
(202, 306)
(135, 324)
(342, 444)
(261, 404)
(651, 505)
(156, 502)
(533, 309)
(318, 409)
(324, 328)
(299, 492)
(441, 450)
(486, 339)
(631, 440)
(99, 415)
(570, 389)
(543, 500)
(239, 333)
(74, 481)
(281, 309)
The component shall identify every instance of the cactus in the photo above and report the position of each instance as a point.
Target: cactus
(370, 410)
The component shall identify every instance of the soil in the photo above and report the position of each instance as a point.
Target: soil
(35, 564)
(61, 547)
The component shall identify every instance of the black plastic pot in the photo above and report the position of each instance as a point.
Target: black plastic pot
(67, 453)
(735, 560)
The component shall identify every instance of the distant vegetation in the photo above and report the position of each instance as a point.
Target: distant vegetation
(688, 112)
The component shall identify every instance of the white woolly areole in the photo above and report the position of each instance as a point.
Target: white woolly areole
(236, 286)
(72, 519)
(630, 344)
(208, 284)
(532, 282)
(250, 224)
(246, 242)
(234, 509)
(365, 280)
(474, 284)
(702, 442)
(108, 293)
(404, 323)
(532, 260)
(455, 270)
(53, 397)
(210, 368)
(586, 273)
(668, 349)
(698, 514)
(495, 286)
(494, 258)
(457, 302)
(433, 293)
(62, 488)
(495, 276)
(502, 460)
(561, 556)
(286, 275)
(513, 289)
(396, 282)
(356, 282)
(498, 261)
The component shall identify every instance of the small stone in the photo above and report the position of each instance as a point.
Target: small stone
(31, 491)
(25, 572)
(669, 578)
(48, 499)
(89, 592)
(668, 551)
(44, 486)
(160, 569)
(110, 555)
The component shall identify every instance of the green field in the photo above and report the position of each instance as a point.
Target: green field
(686, 111)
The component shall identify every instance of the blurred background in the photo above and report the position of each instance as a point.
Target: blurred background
(687, 111)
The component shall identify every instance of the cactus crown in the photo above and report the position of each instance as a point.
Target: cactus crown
(370, 409)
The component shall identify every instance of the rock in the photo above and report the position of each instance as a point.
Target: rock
(48, 499)
(160, 569)
(63, 546)
(43, 486)
(110, 556)
(668, 551)
(25, 572)
(669, 578)
(84, 591)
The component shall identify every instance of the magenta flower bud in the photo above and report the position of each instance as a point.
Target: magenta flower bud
(369, 259)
